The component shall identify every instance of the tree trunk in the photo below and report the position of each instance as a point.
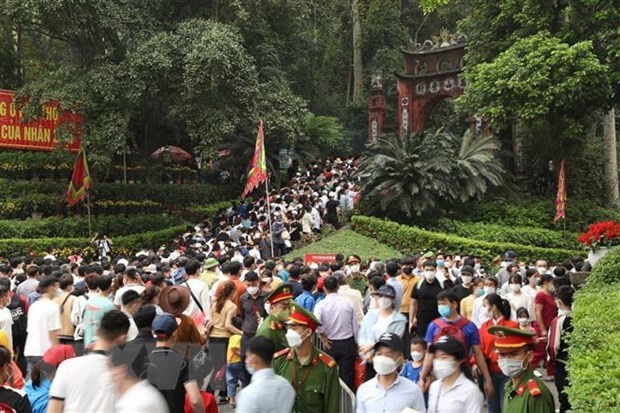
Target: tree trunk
(358, 69)
(610, 152)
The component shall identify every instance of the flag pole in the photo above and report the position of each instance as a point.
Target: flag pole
(90, 231)
(269, 213)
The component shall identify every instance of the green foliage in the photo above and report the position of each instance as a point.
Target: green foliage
(410, 239)
(111, 225)
(534, 236)
(347, 242)
(537, 77)
(209, 211)
(415, 174)
(527, 211)
(594, 352)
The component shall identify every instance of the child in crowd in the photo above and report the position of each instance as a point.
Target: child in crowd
(235, 372)
(412, 369)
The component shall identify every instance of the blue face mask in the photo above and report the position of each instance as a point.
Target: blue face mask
(249, 368)
(444, 310)
(439, 263)
(480, 293)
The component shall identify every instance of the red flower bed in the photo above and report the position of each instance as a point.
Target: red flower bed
(605, 233)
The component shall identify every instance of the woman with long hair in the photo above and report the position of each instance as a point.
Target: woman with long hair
(9, 397)
(223, 310)
(498, 310)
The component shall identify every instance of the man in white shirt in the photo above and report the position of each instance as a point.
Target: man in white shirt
(131, 302)
(43, 321)
(131, 281)
(255, 397)
(351, 294)
(84, 384)
(388, 391)
(6, 319)
(200, 304)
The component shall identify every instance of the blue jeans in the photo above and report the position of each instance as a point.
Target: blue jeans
(235, 373)
(499, 382)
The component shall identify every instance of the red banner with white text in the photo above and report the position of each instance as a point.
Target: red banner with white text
(36, 134)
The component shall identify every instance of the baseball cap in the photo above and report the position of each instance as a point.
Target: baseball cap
(385, 291)
(164, 325)
(57, 354)
(510, 255)
(467, 269)
(449, 345)
(123, 261)
(151, 268)
(390, 340)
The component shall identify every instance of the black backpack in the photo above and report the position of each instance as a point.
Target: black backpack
(20, 320)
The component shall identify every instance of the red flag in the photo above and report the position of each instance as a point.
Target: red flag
(258, 166)
(80, 179)
(560, 198)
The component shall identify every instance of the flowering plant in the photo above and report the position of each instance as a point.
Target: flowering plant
(606, 234)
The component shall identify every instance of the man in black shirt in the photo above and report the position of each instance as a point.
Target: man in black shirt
(144, 342)
(331, 211)
(168, 370)
(423, 307)
(557, 343)
(463, 289)
(252, 305)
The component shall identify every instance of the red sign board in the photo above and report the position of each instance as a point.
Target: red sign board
(319, 258)
(35, 134)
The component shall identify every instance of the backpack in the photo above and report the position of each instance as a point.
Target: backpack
(452, 330)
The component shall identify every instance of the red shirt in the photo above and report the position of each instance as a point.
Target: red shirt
(487, 341)
(549, 310)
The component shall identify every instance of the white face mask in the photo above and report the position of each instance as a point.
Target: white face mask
(466, 279)
(524, 322)
(417, 356)
(541, 270)
(429, 276)
(443, 368)
(384, 302)
(252, 290)
(355, 268)
(384, 365)
(489, 290)
(293, 338)
(515, 288)
(267, 307)
(511, 367)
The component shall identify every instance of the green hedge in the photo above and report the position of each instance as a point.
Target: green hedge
(63, 247)
(538, 237)
(409, 239)
(529, 211)
(19, 199)
(594, 362)
(111, 225)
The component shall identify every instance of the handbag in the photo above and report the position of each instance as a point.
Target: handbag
(286, 235)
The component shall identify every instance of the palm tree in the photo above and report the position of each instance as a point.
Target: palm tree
(415, 174)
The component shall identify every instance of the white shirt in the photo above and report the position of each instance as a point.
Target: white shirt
(85, 384)
(463, 397)
(200, 289)
(141, 398)
(43, 317)
(531, 291)
(356, 298)
(252, 398)
(479, 314)
(518, 301)
(372, 397)
(133, 329)
(119, 294)
(6, 325)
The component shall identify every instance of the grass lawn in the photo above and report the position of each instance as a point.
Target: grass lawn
(347, 242)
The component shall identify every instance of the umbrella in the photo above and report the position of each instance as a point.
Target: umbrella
(176, 154)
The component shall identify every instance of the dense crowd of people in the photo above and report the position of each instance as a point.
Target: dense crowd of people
(219, 317)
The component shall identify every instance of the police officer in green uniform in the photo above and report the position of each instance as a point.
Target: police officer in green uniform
(525, 393)
(313, 374)
(273, 326)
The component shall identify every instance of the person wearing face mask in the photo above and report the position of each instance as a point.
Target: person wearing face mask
(273, 326)
(499, 311)
(258, 358)
(517, 298)
(479, 314)
(423, 307)
(413, 368)
(557, 345)
(452, 324)
(453, 391)
(546, 309)
(531, 287)
(9, 398)
(387, 391)
(464, 288)
(356, 279)
(525, 392)
(252, 305)
(467, 303)
(408, 279)
(313, 374)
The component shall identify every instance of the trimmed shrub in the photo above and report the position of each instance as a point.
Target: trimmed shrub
(594, 362)
(530, 211)
(539, 237)
(409, 239)
(111, 225)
